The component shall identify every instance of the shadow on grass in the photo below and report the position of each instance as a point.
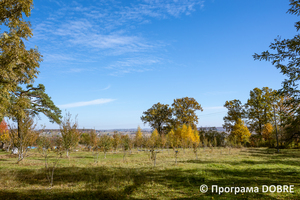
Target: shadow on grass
(121, 183)
(60, 194)
(125, 183)
(272, 153)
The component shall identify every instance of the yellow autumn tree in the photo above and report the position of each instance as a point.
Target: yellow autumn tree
(138, 140)
(163, 140)
(240, 131)
(171, 139)
(195, 141)
(267, 132)
(153, 141)
(184, 136)
(177, 137)
(189, 136)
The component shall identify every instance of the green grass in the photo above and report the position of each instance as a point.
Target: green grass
(80, 178)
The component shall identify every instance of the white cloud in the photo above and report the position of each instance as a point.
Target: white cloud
(86, 103)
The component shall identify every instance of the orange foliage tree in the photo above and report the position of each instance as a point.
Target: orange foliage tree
(4, 135)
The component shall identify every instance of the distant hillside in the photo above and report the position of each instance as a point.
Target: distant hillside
(123, 130)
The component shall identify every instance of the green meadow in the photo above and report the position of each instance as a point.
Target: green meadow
(136, 177)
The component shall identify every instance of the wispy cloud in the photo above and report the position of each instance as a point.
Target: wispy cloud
(86, 103)
(105, 29)
(136, 64)
(106, 88)
(160, 9)
(57, 57)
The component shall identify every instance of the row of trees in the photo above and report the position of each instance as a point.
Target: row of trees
(284, 55)
(265, 109)
(11, 138)
(163, 118)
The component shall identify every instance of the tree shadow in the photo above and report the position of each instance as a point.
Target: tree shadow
(121, 183)
(101, 182)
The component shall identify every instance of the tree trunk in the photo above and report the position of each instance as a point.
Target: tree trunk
(155, 158)
(20, 143)
(124, 155)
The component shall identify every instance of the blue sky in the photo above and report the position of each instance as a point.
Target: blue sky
(108, 61)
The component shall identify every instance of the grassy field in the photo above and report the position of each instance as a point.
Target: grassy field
(79, 177)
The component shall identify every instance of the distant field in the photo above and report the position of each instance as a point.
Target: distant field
(135, 178)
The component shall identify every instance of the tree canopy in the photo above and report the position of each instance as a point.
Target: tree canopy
(235, 111)
(184, 110)
(33, 101)
(18, 65)
(285, 56)
(240, 131)
(19, 68)
(259, 108)
(159, 117)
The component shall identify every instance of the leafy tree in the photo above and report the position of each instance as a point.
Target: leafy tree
(33, 101)
(163, 141)
(235, 111)
(85, 140)
(171, 139)
(187, 136)
(285, 56)
(267, 132)
(105, 143)
(138, 137)
(259, 108)
(4, 133)
(178, 136)
(27, 138)
(89, 139)
(240, 131)
(116, 140)
(44, 144)
(29, 103)
(190, 136)
(195, 142)
(70, 134)
(18, 65)
(184, 110)
(183, 136)
(159, 117)
(125, 141)
(153, 142)
(209, 134)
